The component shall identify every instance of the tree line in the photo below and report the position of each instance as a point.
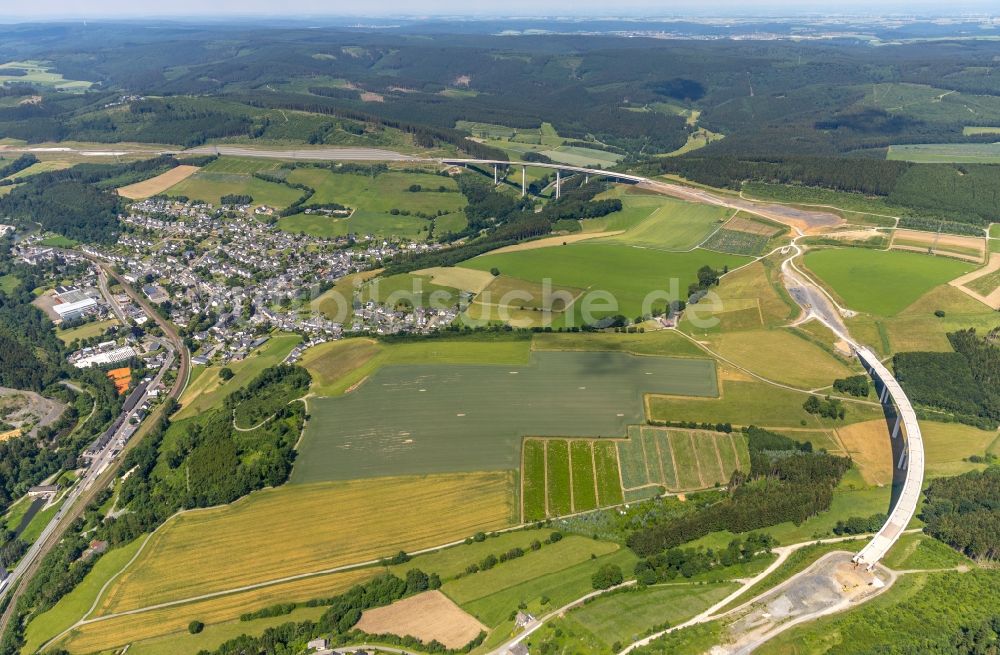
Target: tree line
(786, 483)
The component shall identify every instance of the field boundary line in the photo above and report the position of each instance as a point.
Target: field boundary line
(697, 460)
(545, 477)
(673, 463)
(593, 465)
(718, 454)
(572, 496)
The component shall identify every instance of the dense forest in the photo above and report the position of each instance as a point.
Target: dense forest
(208, 461)
(79, 202)
(787, 481)
(964, 512)
(964, 383)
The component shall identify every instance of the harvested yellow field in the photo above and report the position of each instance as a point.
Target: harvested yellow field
(428, 616)
(869, 446)
(463, 279)
(300, 529)
(741, 223)
(548, 242)
(158, 184)
(774, 353)
(10, 434)
(115, 632)
(952, 245)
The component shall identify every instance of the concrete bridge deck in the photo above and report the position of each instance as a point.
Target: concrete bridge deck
(912, 458)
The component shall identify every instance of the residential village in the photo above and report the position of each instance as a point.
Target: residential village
(227, 277)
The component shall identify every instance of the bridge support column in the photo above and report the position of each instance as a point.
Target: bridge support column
(586, 179)
(882, 396)
(496, 175)
(558, 182)
(895, 428)
(524, 181)
(902, 460)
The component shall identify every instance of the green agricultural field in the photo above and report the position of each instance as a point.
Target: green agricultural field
(881, 283)
(627, 616)
(667, 343)
(244, 166)
(748, 402)
(672, 224)
(557, 478)
(382, 193)
(609, 486)
(630, 275)
(943, 153)
(459, 417)
(406, 288)
(566, 494)
(210, 187)
(336, 366)
(533, 480)
(40, 74)
(685, 454)
(329, 227)
(582, 467)
(737, 242)
(560, 581)
(986, 284)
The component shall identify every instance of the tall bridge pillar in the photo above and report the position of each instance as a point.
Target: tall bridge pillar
(496, 174)
(558, 182)
(524, 181)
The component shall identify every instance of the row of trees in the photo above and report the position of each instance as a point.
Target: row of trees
(688, 562)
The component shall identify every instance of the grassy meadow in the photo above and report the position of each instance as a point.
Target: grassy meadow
(881, 283)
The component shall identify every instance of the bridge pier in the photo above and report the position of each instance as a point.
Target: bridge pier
(558, 182)
(902, 460)
(496, 174)
(524, 181)
(895, 428)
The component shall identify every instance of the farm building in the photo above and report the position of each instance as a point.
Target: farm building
(316, 644)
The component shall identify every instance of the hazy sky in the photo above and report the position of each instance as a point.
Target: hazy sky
(297, 8)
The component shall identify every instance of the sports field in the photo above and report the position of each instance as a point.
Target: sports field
(308, 529)
(881, 283)
(629, 274)
(680, 460)
(446, 418)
